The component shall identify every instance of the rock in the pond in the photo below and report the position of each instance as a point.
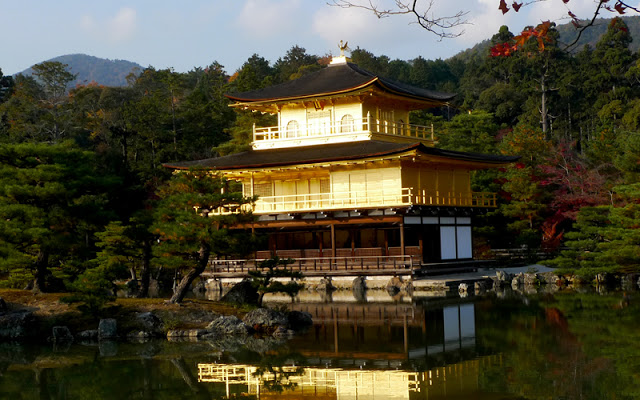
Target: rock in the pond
(407, 287)
(504, 276)
(393, 286)
(228, 325)
(62, 334)
(531, 279)
(214, 285)
(463, 289)
(480, 287)
(107, 329)
(16, 325)
(3, 306)
(149, 322)
(325, 285)
(359, 284)
(88, 335)
(186, 333)
(241, 293)
(261, 318)
(139, 335)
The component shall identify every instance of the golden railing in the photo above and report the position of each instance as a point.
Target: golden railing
(354, 200)
(331, 128)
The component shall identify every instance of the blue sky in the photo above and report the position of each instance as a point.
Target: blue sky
(191, 33)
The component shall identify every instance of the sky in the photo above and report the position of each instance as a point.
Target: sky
(195, 33)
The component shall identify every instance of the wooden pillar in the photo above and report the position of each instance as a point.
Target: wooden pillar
(318, 236)
(386, 242)
(333, 240)
(273, 244)
(352, 236)
(421, 243)
(402, 251)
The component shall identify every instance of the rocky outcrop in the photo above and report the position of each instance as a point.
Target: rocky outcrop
(241, 293)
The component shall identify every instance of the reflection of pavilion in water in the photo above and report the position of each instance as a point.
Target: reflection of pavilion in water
(362, 351)
(451, 381)
(378, 332)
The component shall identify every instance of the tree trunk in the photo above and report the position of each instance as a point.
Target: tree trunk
(183, 286)
(42, 268)
(544, 114)
(145, 273)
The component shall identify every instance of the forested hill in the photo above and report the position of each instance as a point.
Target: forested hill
(94, 69)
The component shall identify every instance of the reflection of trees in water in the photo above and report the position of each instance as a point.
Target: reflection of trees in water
(570, 346)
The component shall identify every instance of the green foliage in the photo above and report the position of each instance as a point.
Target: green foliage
(192, 223)
(473, 133)
(263, 278)
(52, 199)
(605, 237)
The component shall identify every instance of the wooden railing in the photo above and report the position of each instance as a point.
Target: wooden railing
(315, 202)
(319, 264)
(331, 128)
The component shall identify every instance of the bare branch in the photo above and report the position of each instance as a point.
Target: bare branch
(442, 26)
(584, 27)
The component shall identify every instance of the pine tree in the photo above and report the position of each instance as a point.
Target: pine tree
(192, 225)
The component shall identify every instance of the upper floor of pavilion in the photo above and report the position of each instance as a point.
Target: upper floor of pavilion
(337, 104)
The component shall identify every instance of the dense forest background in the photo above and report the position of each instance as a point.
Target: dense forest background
(81, 166)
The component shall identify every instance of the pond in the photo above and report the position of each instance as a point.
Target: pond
(563, 345)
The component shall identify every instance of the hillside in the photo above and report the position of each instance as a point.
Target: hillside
(94, 69)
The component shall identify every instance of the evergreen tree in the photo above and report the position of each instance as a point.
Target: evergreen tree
(192, 226)
(52, 199)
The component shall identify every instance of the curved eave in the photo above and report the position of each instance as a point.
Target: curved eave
(269, 102)
(323, 160)
(245, 102)
(313, 155)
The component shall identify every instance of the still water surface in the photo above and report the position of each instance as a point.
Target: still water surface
(565, 345)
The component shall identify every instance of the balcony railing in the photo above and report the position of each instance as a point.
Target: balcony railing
(335, 128)
(352, 200)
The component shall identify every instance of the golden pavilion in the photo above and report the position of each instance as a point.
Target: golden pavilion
(344, 175)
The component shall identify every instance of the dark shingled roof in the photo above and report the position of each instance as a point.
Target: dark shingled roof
(327, 153)
(332, 79)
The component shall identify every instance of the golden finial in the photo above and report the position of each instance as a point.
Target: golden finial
(343, 47)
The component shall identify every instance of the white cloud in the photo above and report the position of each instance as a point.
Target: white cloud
(119, 28)
(123, 25)
(269, 18)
